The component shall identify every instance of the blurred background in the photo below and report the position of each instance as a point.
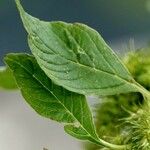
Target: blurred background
(121, 23)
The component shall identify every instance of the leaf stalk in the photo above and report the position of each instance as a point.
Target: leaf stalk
(112, 146)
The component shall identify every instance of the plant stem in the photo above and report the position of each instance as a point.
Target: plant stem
(111, 146)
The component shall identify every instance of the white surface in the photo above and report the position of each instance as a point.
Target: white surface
(22, 129)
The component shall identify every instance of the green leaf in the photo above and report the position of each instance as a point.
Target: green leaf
(76, 57)
(50, 100)
(6, 79)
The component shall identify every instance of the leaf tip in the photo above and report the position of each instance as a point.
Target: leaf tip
(7, 59)
(19, 7)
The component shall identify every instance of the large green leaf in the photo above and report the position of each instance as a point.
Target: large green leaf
(50, 100)
(76, 57)
(6, 79)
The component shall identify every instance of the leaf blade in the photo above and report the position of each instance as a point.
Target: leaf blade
(50, 100)
(76, 57)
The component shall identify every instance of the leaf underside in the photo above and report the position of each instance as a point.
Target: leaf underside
(76, 57)
(50, 100)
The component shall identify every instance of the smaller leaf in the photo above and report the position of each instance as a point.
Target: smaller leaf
(7, 80)
(50, 100)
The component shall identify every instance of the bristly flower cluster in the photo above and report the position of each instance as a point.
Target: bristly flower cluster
(129, 106)
(139, 128)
